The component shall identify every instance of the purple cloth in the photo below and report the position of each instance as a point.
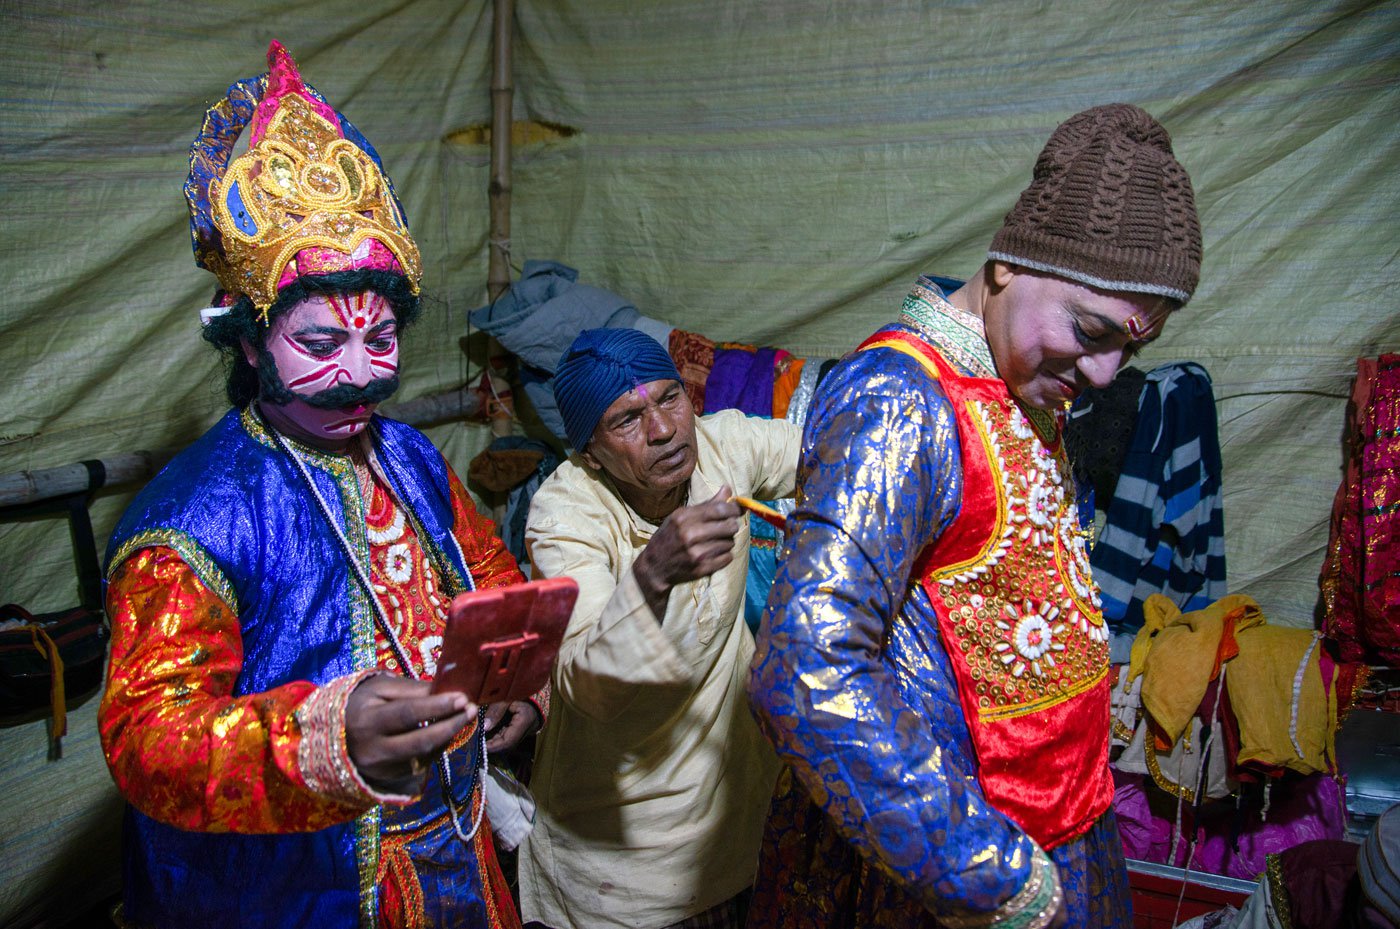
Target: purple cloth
(1229, 841)
(741, 380)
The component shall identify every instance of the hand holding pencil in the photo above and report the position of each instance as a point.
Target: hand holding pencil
(765, 513)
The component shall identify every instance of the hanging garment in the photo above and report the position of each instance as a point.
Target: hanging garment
(537, 320)
(787, 377)
(1180, 654)
(1285, 699)
(1099, 430)
(694, 356)
(741, 379)
(1165, 525)
(1361, 575)
(542, 313)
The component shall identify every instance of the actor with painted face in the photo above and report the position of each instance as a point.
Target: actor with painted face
(652, 778)
(278, 592)
(933, 663)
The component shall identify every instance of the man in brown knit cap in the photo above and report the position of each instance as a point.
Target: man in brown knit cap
(933, 665)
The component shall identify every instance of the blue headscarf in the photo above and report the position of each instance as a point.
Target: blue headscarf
(602, 365)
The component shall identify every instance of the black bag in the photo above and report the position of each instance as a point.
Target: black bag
(51, 661)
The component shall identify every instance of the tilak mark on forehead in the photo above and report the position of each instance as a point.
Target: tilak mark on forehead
(1137, 329)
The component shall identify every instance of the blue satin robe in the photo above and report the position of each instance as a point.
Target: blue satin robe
(881, 821)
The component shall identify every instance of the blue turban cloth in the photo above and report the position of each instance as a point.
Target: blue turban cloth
(602, 365)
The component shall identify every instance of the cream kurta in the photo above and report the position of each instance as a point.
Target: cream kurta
(652, 778)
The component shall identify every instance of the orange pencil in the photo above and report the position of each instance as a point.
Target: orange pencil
(765, 513)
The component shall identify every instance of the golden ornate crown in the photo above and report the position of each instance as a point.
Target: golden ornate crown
(301, 185)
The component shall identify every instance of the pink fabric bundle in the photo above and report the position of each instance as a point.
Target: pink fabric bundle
(1233, 841)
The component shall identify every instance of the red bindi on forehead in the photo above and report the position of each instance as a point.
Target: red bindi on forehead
(357, 311)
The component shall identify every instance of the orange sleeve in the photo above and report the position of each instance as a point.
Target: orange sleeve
(180, 746)
(788, 376)
(488, 558)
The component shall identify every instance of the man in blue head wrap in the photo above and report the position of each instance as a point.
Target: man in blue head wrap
(652, 778)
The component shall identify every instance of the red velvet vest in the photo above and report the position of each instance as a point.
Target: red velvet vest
(1018, 611)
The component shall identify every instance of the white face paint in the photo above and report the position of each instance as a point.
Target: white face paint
(1052, 337)
(324, 342)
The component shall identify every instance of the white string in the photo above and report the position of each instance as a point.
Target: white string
(483, 772)
(444, 768)
(1298, 694)
(1201, 774)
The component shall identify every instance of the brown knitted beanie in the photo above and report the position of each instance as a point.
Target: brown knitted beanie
(1109, 206)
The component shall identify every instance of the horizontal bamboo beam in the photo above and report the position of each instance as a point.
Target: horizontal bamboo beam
(22, 487)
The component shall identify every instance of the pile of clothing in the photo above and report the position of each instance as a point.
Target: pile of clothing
(1233, 722)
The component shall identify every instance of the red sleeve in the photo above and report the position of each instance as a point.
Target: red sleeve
(487, 557)
(180, 746)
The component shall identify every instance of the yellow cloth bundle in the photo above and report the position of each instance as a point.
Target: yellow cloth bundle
(1287, 716)
(1177, 653)
(1261, 683)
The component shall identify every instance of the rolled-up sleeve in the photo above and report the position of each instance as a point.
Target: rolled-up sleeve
(614, 645)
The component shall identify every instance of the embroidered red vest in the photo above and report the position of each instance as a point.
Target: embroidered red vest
(1018, 611)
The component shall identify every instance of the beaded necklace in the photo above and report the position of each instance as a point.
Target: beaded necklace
(381, 619)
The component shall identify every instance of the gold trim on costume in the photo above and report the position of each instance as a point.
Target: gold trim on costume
(190, 552)
(367, 856)
(301, 186)
(998, 538)
(1159, 776)
(905, 348)
(1059, 696)
(1027, 646)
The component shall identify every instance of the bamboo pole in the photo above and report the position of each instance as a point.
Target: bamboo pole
(502, 105)
(21, 487)
(458, 403)
(498, 196)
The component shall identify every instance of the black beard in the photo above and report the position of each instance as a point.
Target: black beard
(274, 391)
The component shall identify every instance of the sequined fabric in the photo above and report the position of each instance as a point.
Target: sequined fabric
(851, 681)
(882, 821)
(170, 719)
(1019, 614)
(694, 356)
(306, 184)
(1361, 575)
(232, 603)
